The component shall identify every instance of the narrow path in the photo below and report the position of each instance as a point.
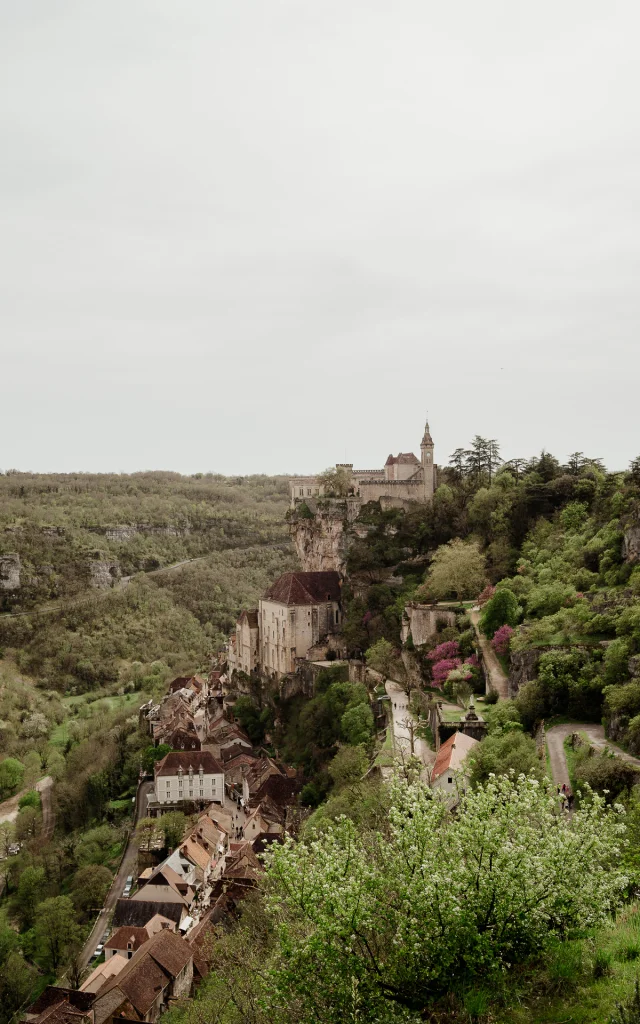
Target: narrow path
(497, 678)
(402, 720)
(127, 867)
(556, 736)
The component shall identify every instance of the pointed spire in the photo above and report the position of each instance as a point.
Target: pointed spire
(427, 438)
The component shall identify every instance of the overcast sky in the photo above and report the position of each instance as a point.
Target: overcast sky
(269, 235)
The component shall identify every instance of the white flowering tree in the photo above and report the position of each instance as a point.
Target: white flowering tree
(373, 926)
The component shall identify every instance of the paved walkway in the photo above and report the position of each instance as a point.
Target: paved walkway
(556, 736)
(402, 720)
(497, 678)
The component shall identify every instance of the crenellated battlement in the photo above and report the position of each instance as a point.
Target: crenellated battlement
(404, 477)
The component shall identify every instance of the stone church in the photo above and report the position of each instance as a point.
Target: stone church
(403, 478)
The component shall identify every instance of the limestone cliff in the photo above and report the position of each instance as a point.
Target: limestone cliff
(631, 544)
(321, 532)
(10, 572)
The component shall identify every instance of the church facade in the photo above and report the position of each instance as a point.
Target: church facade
(403, 478)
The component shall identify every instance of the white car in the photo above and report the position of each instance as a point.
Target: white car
(99, 950)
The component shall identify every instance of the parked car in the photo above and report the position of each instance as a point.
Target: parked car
(99, 950)
(129, 879)
(14, 849)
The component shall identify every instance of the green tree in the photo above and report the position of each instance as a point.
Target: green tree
(504, 752)
(375, 926)
(616, 662)
(348, 766)
(56, 930)
(11, 776)
(336, 482)
(174, 826)
(7, 837)
(28, 823)
(90, 885)
(458, 570)
(154, 754)
(17, 980)
(31, 892)
(381, 658)
(501, 610)
(356, 724)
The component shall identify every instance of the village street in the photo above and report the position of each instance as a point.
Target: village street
(402, 720)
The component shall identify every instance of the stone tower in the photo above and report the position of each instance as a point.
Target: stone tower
(426, 453)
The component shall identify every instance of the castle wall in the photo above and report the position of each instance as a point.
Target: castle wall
(410, 490)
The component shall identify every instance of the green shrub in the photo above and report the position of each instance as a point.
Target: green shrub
(502, 610)
(30, 799)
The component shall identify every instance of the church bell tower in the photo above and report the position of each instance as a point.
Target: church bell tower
(426, 453)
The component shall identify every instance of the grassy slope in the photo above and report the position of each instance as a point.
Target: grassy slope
(568, 990)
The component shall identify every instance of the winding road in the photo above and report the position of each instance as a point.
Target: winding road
(127, 867)
(556, 736)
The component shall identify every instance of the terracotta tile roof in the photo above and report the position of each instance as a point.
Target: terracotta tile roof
(104, 971)
(53, 995)
(152, 893)
(197, 853)
(157, 923)
(122, 936)
(302, 588)
(187, 759)
(186, 682)
(452, 753)
(149, 971)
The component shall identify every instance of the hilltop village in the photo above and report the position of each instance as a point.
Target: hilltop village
(443, 654)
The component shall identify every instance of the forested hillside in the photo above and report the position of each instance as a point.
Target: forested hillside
(78, 538)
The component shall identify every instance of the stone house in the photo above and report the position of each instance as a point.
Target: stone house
(125, 941)
(295, 613)
(192, 776)
(244, 645)
(449, 774)
(162, 969)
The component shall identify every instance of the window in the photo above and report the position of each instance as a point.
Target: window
(450, 780)
(309, 491)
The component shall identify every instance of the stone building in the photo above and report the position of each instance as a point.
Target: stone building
(294, 614)
(403, 478)
(189, 776)
(297, 612)
(244, 644)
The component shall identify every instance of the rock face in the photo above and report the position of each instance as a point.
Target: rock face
(104, 574)
(523, 667)
(9, 572)
(321, 533)
(631, 544)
